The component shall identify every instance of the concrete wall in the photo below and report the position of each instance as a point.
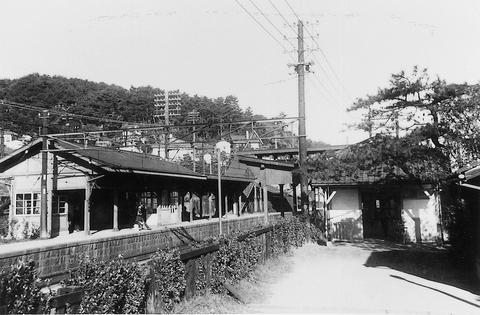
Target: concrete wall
(346, 215)
(55, 259)
(345, 199)
(420, 219)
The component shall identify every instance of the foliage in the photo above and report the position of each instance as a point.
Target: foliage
(236, 260)
(420, 130)
(77, 96)
(458, 208)
(114, 286)
(381, 159)
(20, 290)
(169, 275)
(20, 230)
(430, 112)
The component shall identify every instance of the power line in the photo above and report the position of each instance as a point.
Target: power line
(321, 51)
(293, 11)
(271, 23)
(156, 127)
(335, 88)
(62, 113)
(318, 47)
(329, 65)
(283, 17)
(261, 25)
(327, 92)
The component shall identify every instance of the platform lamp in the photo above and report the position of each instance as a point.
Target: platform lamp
(221, 146)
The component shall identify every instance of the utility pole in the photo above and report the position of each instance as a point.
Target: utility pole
(302, 137)
(43, 182)
(167, 122)
(167, 104)
(192, 117)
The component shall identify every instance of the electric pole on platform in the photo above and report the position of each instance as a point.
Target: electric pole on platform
(43, 183)
(302, 137)
(192, 117)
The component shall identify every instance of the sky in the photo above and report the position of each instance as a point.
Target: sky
(214, 48)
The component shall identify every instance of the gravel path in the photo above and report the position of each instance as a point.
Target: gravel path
(371, 278)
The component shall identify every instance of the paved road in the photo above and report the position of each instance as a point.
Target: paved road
(373, 277)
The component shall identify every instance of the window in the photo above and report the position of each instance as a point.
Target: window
(174, 199)
(27, 204)
(59, 204)
(149, 199)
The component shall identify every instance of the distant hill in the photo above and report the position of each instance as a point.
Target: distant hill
(100, 100)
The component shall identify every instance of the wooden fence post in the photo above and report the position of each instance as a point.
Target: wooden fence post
(190, 276)
(154, 298)
(67, 297)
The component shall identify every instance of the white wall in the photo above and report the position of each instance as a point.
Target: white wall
(345, 199)
(25, 177)
(424, 213)
(345, 214)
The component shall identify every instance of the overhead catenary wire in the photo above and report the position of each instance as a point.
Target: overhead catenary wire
(262, 26)
(149, 127)
(63, 113)
(271, 23)
(321, 51)
(326, 92)
(282, 16)
(322, 85)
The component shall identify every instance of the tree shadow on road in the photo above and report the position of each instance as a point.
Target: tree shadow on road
(428, 262)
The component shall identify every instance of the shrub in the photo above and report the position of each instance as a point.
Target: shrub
(20, 230)
(169, 277)
(114, 286)
(19, 289)
(235, 260)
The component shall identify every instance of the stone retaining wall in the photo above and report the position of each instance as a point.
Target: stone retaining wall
(55, 260)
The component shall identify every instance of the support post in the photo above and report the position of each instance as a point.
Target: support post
(2, 144)
(302, 137)
(240, 204)
(260, 196)
(226, 204)
(115, 210)
(86, 214)
(265, 192)
(219, 169)
(265, 203)
(282, 210)
(43, 182)
(295, 201)
(191, 206)
(255, 197)
(210, 207)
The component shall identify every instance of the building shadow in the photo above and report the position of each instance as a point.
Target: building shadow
(437, 290)
(424, 261)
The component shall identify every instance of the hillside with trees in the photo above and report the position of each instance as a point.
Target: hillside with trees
(85, 97)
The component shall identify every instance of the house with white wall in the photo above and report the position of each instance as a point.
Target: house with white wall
(367, 205)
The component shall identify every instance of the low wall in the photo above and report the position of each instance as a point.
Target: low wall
(54, 260)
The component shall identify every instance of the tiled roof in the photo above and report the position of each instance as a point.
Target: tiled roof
(118, 161)
(358, 177)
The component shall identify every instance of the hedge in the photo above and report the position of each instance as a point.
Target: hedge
(119, 286)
